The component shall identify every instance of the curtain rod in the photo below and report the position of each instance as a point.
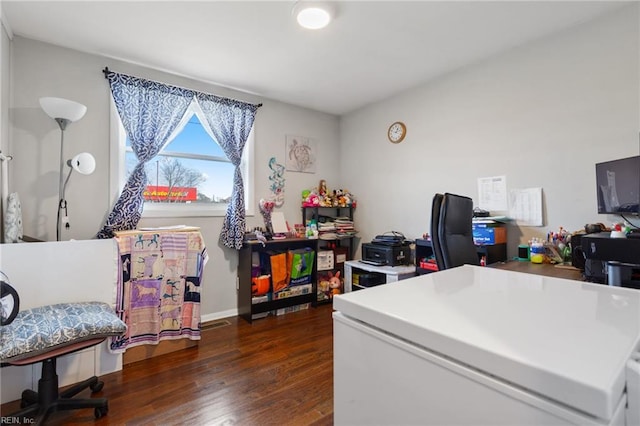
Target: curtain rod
(106, 72)
(5, 157)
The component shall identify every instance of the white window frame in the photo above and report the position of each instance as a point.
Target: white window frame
(118, 139)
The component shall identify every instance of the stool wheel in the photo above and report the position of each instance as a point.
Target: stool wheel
(97, 386)
(100, 412)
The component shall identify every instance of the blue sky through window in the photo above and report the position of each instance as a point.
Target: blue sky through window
(193, 140)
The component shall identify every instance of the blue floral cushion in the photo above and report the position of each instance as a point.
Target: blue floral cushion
(38, 330)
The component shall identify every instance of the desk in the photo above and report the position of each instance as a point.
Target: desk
(392, 273)
(545, 269)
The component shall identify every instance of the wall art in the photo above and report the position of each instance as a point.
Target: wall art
(301, 154)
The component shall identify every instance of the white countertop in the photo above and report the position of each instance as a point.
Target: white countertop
(561, 338)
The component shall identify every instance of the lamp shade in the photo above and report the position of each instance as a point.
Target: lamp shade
(63, 108)
(313, 15)
(83, 163)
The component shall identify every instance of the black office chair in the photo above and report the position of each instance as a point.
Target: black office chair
(454, 232)
(435, 240)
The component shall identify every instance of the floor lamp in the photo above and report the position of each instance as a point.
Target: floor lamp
(64, 112)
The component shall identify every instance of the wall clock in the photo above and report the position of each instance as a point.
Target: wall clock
(397, 132)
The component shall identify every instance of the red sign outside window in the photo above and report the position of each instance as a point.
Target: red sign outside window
(162, 193)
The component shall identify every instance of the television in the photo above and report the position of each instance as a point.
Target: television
(618, 183)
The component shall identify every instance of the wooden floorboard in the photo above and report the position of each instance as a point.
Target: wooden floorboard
(277, 370)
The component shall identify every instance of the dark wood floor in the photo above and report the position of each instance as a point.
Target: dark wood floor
(278, 370)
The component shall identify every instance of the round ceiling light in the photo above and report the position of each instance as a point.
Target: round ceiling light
(312, 15)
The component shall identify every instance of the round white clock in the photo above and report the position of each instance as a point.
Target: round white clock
(397, 132)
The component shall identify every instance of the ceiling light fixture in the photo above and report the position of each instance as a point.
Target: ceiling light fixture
(313, 15)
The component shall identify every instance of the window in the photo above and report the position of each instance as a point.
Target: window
(191, 176)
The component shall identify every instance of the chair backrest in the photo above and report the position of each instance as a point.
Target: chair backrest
(435, 220)
(455, 231)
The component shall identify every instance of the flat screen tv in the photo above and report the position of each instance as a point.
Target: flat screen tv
(618, 184)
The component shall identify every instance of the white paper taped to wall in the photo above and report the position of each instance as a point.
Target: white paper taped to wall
(525, 206)
(492, 193)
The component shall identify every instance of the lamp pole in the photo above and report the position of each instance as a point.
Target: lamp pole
(62, 122)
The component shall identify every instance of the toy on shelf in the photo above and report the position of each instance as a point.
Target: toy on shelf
(329, 284)
(322, 197)
(322, 188)
(326, 200)
(335, 284)
(310, 199)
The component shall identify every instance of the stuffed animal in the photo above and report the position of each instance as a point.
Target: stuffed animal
(348, 198)
(335, 283)
(310, 200)
(322, 188)
(341, 199)
(326, 200)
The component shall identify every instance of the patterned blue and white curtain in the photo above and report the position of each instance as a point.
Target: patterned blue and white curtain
(231, 122)
(150, 112)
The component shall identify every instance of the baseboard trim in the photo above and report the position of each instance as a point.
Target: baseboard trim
(204, 319)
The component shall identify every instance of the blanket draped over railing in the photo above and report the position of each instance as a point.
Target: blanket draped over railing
(158, 291)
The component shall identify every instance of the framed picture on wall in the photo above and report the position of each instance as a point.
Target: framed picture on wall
(301, 154)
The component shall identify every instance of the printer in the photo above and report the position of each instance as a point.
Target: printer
(387, 250)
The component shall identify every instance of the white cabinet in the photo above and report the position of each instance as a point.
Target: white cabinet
(391, 273)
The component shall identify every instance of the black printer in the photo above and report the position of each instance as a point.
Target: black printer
(389, 249)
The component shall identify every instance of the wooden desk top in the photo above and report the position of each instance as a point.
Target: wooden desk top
(546, 269)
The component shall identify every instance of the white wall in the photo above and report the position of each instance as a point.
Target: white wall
(5, 68)
(542, 115)
(40, 69)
